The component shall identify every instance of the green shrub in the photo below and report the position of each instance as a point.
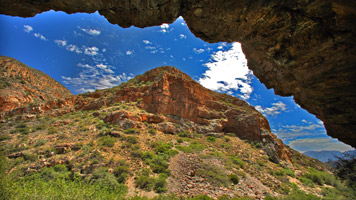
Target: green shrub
(184, 134)
(306, 181)
(132, 131)
(52, 130)
(237, 161)
(152, 131)
(159, 165)
(160, 183)
(202, 197)
(300, 195)
(40, 142)
(180, 140)
(22, 129)
(132, 140)
(319, 177)
(107, 141)
(4, 137)
(30, 157)
(211, 139)
(54, 173)
(234, 179)
(194, 147)
(214, 174)
(102, 177)
(144, 181)
(121, 171)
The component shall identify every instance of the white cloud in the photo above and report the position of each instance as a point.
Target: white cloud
(73, 48)
(91, 51)
(319, 144)
(227, 71)
(93, 77)
(198, 51)
(129, 52)
(150, 47)
(60, 42)
(164, 28)
(92, 32)
(38, 35)
(304, 121)
(298, 129)
(182, 36)
(272, 111)
(28, 28)
(146, 42)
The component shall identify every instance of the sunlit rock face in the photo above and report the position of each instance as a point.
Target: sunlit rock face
(21, 85)
(300, 48)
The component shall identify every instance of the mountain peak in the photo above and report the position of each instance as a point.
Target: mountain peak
(155, 75)
(21, 85)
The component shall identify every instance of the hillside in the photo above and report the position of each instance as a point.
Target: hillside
(159, 133)
(21, 85)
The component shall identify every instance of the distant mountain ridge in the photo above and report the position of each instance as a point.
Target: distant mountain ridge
(325, 155)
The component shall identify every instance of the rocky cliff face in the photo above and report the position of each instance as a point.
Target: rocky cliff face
(161, 127)
(302, 48)
(173, 103)
(21, 85)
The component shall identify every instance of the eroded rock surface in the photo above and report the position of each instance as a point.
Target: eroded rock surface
(21, 85)
(301, 48)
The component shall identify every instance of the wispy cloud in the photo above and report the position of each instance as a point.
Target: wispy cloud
(91, 51)
(28, 28)
(227, 72)
(293, 132)
(275, 109)
(93, 77)
(319, 144)
(73, 48)
(93, 32)
(182, 36)
(198, 51)
(61, 42)
(146, 41)
(38, 35)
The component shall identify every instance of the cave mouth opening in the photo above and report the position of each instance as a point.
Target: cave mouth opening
(85, 52)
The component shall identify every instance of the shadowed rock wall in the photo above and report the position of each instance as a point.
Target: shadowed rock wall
(304, 48)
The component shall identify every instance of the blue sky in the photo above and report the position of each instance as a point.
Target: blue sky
(85, 52)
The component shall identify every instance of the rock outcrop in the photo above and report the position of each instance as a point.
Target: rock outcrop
(21, 85)
(301, 48)
(172, 102)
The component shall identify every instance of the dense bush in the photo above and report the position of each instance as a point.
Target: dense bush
(214, 174)
(107, 141)
(237, 161)
(152, 131)
(121, 171)
(132, 131)
(52, 130)
(102, 177)
(144, 181)
(194, 147)
(211, 139)
(234, 179)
